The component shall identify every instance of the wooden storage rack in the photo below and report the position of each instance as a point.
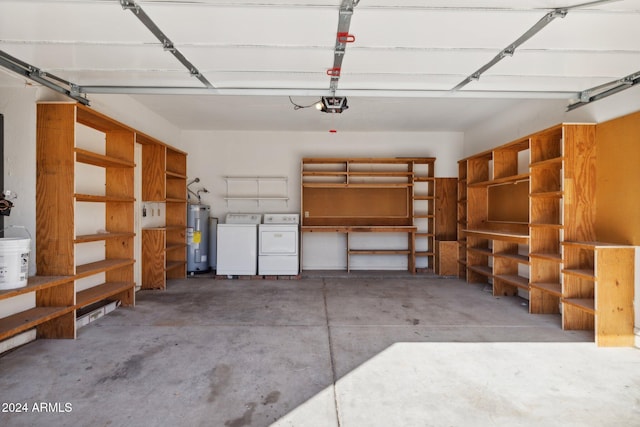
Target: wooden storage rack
(372, 195)
(556, 207)
(59, 152)
(164, 249)
(56, 293)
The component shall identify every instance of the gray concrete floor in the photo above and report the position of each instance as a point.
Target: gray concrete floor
(332, 350)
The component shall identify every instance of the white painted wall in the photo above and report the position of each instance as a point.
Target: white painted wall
(534, 115)
(214, 155)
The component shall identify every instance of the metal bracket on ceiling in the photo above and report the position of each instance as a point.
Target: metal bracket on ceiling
(342, 39)
(559, 12)
(167, 44)
(596, 93)
(48, 80)
(510, 50)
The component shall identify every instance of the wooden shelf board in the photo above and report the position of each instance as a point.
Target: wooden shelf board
(86, 270)
(28, 319)
(495, 235)
(420, 234)
(481, 251)
(103, 199)
(324, 173)
(100, 292)
(546, 163)
(424, 179)
(505, 180)
(514, 279)
(360, 228)
(548, 194)
(379, 252)
(554, 289)
(521, 259)
(547, 256)
(95, 159)
(593, 245)
(584, 304)
(554, 226)
(424, 253)
(352, 185)
(582, 273)
(101, 236)
(175, 200)
(174, 264)
(175, 175)
(35, 283)
(423, 197)
(481, 269)
(379, 174)
(175, 246)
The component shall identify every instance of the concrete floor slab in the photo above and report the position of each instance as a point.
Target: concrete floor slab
(327, 352)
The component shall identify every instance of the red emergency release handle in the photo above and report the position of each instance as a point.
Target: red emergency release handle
(346, 38)
(333, 72)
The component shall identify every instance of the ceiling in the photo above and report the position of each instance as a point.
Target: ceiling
(398, 74)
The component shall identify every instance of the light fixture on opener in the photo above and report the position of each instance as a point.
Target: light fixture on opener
(326, 104)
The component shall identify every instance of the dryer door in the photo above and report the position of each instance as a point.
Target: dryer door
(278, 240)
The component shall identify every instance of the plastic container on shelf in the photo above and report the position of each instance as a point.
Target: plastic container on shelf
(14, 260)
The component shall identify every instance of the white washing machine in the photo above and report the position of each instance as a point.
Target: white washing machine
(278, 245)
(237, 244)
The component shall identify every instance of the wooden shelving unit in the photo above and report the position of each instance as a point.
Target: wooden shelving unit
(60, 149)
(364, 195)
(164, 249)
(546, 206)
(597, 291)
(493, 218)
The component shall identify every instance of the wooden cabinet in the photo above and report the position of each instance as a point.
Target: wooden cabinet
(383, 195)
(164, 249)
(597, 291)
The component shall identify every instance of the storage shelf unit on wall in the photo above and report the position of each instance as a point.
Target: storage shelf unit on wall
(59, 152)
(367, 195)
(555, 205)
(164, 249)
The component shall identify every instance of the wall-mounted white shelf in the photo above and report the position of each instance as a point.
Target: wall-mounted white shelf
(256, 188)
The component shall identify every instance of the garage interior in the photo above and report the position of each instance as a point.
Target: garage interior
(461, 179)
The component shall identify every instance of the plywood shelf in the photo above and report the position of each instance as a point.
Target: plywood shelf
(583, 273)
(103, 199)
(499, 181)
(90, 269)
(95, 159)
(554, 289)
(555, 257)
(585, 304)
(175, 175)
(553, 162)
(35, 283)
(481, 269)
(29, 319)
(496, 235)
(102, 292)
(515, 280)
(101, 236)
(521, 259)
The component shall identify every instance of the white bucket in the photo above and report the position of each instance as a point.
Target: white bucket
(14, 261)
